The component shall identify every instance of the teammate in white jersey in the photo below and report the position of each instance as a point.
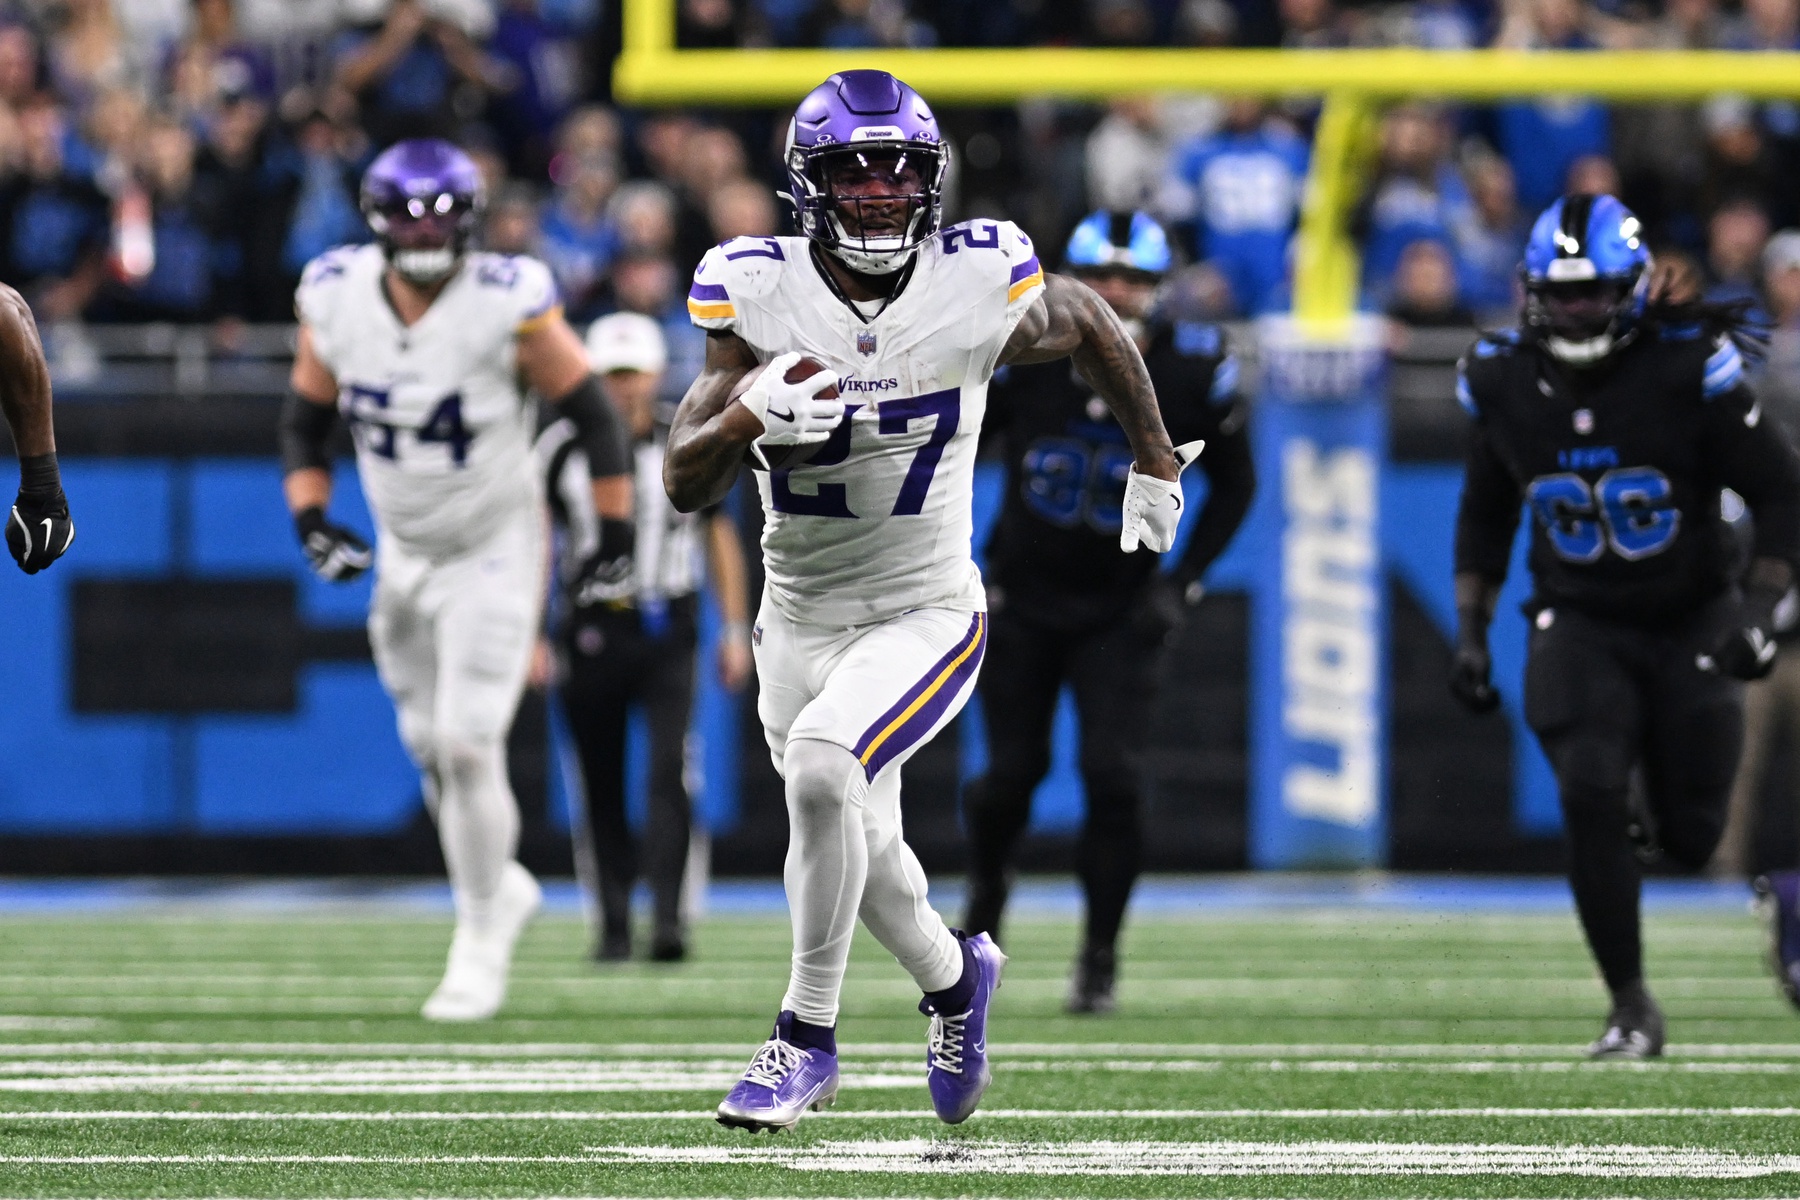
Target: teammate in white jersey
(873, 620)
(424, 348)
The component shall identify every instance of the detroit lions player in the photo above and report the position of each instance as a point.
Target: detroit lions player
(1617, 423)
(421, 345)
(873, 618)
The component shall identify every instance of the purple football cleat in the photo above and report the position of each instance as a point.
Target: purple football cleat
(782, 1082)
(956, 1060)
(1780, 893)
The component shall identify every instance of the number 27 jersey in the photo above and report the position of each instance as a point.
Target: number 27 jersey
(878, 521)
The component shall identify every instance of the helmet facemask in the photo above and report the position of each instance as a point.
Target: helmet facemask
(1584, 320)
(870, 205)
(424, 236)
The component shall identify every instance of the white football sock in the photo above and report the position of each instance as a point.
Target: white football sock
(894, 904)
(827, 861)
(478, 822)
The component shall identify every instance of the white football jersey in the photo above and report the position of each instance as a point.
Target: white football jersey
(878, 521)
(443, 430)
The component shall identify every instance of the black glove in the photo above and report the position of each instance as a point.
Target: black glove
(1471, 668)
(609, 576)
(1747, 649)
(39, 530)
(336, 554)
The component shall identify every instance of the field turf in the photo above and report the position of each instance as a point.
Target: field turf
(1302, 1053)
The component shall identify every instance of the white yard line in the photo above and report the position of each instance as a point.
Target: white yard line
(986, 1156)
(1223, 1158)
(851, 1052)
(874, 1114)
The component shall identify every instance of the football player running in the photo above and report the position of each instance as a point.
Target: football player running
(423, 345)
(873, 620)
(38, 529)
(1618, 422)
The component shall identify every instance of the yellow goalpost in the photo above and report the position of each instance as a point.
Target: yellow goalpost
(652, 71)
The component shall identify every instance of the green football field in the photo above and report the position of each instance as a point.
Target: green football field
(1314, 1052)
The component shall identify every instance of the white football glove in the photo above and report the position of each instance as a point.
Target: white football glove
(1152, 508)
(792, 414)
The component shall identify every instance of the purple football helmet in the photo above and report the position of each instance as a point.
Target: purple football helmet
(422, 198)
(865, 168)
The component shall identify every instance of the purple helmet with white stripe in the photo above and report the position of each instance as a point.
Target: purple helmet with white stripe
(422, 198)
(865, 166)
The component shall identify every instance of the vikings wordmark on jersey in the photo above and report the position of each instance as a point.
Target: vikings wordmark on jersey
(878, 522)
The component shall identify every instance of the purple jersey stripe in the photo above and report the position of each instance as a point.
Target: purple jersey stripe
(938, 688)
(1024, 270)
(708, 293)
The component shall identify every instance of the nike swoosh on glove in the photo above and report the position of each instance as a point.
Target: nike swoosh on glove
(39, 530)
(1152, 508)
(792, 414)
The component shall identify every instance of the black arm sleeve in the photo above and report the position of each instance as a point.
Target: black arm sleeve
(603, 435)
(305, 428)
(1489, 515)
(1756, 462)
(1231, 485)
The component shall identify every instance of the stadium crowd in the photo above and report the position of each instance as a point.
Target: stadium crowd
(180, 160)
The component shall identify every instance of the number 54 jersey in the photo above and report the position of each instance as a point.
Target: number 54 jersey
(443, 432)
(1620, 470)
(878, 520)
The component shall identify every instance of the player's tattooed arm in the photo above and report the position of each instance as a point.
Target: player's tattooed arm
(710, 433)
(1071, 321)
(24, 378)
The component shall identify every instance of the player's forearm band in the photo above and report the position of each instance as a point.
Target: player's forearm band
(305, 428)
(602, 433)
(39, 476)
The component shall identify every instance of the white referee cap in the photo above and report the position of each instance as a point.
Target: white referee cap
(627, 341)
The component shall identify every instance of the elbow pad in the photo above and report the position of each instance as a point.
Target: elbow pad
(603, 434)
(305, 428)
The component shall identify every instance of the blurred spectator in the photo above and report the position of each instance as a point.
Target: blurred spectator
(1593, 175)
(19, 66)
(1661, 148)
(213, 63)
(188, 260)
(1735, 238)
(1778, 385)
(866, 25)
(712, 158)
(1490, 237)
(1127, 155)
(55, 220)
(1752, 150)
(1425, 290)
(1119, 23)
(651, 284)
(542, 79)
(1542, 138)
(512, 226)
(1765, 25)
(87, 51)
(1312, 25)
(643, 214)
(415, 68)
(235, 173)
(709, 25)
(1417, 193)
(579, 241)
(742, 208)
(1241, 189)
(326, 171)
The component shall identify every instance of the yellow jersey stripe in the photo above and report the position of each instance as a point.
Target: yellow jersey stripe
(1035, 279)
(707, 311)
(533, 324)
(936, 685)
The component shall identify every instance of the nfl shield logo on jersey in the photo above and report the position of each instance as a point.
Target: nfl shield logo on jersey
(865, 342)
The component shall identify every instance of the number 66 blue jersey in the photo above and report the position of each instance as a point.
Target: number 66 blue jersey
(1621, 469)
(878, 520)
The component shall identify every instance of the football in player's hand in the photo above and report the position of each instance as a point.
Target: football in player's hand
(783, 458)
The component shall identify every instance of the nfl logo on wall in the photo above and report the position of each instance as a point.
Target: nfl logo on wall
(865, 342)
